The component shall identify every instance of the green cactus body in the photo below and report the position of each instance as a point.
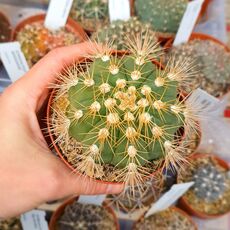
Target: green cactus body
(211, 62)
(123, 111)
(164, 16)
(118, 31)
(36, 40)
(210, 184)
(92, 14)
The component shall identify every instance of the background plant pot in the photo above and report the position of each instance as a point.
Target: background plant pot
(183, 203)
(6, 31)
(56, 215)
(173, 209)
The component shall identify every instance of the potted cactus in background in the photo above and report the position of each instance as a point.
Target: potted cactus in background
(114, 116)
(118, 30)
(5, 29)
(11, 224)
(164, 16)
(171, 218)
(72, 215)
(211, 61)
(209, 197)
(36, 40)
(91, 14)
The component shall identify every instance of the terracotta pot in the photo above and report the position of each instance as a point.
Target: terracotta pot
(183, 203)
(57, 214)
(5, 20)
(175, 209)
(71, 25)
(55, 145)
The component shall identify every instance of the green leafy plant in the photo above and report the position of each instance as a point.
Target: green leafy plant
(116, 116)
(164, 16)
(92, 14)
(118, 30)
(212, 65)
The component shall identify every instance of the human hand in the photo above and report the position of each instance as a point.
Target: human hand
(30, 173)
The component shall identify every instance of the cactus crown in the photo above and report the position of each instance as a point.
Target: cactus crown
(36, 40)
(164, 16)
(118, 30)
(209, 183)
(212, 64)
(92, 14)
(123, 111)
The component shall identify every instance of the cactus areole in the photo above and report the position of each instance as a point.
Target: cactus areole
(120, 111)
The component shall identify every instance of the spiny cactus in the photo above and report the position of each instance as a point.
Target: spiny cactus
(36, 40)
(122, 112)
(209, 184)
(85, 217)
(11, 224)
(212, 64)
(92, 14)
(5, 29)
(164, 16)
(118, 31)
(170, 219)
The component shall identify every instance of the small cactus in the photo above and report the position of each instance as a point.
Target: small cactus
(210, 183)
(118, 30)
(92, 14)
(164, 16)
(121, 112)
(169, 219)
(212, 65)
(85, 217)
(11, 224)
(36, 40)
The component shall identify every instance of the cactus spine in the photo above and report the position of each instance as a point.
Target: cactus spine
(123, 112)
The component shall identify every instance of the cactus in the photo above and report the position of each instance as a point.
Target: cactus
(169, 219)
(85, 217)
(36, 40)
(122, 112)
(118, 30)
(212, 64)
(209, 183)
(92, 14)
(11, 224)
(164, 16)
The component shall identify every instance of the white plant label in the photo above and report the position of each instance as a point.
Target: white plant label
(97, 200)
(34, 220)
(169, 198)
(119, 10)
(57, 14)
(188, 22)
(13, 60)
(204, 101)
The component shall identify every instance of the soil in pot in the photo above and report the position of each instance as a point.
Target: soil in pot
(170, 219)
(114, 116)
(121, 31)
(5, 29)
(210, 194)
(36, 40)
(79, 216)
(11, 224)
(211, 62)
(163, 15)
(91, 14)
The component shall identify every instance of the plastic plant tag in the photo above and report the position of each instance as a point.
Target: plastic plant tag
(188, 22)
(97, 200)
(119, 10)
(13, 60)
(57, 14)
(34, 220)
(169, 198)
